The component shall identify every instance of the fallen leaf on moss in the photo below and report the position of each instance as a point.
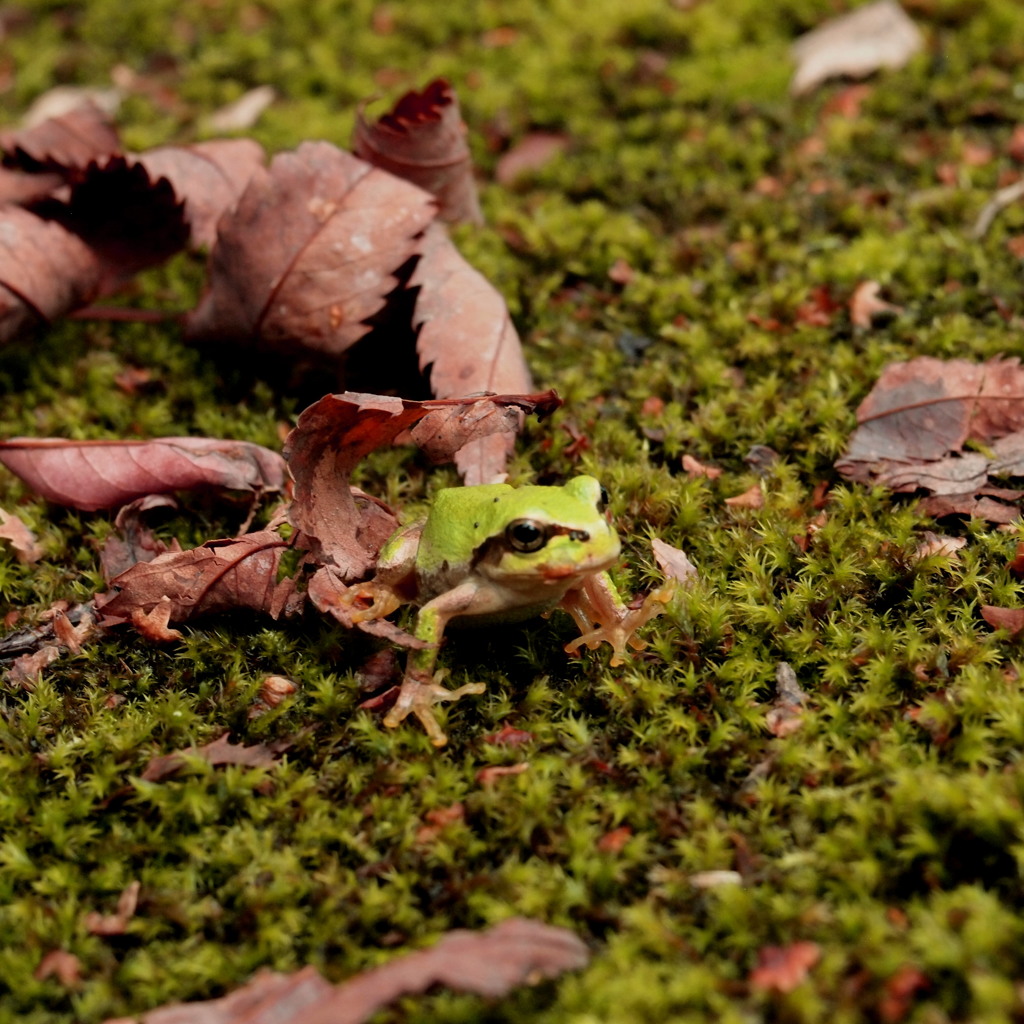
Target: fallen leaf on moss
(509, 736)
(491, 963)
(865, 305)
(62, 965)
(27, 669)
(877, 35)
(134, 542)
(346, 529)
(277, 689)
(242, 113)
(309, 252)
(752, 498)
(783, 968)
(468, 345)
(22, 540)
(1010, 619)
(694, 467)
(899, 993)
(423, 139)
(615, 841)
(91, 475)
(65, 143)
(487, 777)
(154, 623)
(45, 271)
(786, 715)
(935, 544)
(116, 923)
(673, 562)
(532, 152)
(209, 177)
(219, 751)
(219, 576)
(915, 422)
(438, 819)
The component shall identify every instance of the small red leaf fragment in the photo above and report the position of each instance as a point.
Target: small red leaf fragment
(1010, 619)
(614, 841)
(752, 498)
(22, 540)
(488, 776)
(694, 467)
(783, 968)
(865, 305)
(64, 966)
(276, 689)
(673, 562)
(531, 153)
(116, 923)
(900, 990)
(438, 819)
(509, 736)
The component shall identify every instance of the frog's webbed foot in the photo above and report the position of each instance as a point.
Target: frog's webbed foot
(419, 694)
(368, 601)
(601, 616)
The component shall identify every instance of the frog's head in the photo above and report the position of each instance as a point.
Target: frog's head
(548, 536)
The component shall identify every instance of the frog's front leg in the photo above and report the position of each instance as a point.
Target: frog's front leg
(601, 614)
(421, 688)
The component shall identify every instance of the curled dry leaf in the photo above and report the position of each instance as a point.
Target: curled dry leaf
(515, 952)
(877, 35)
(27, 669)
(694, 467)
(91, 475)
(309, 252)
(752, 498)
(783, 968)
(22, 540)
(913, 426)
(208, 177)
(865, 305)
(134, 542)
(45, 271)
(219, 751)
(345, 529)
(468, 344)
(423, 139)
(66, 143)
(937, 545)
(219, 576)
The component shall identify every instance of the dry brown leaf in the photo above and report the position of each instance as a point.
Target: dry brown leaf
(346, 529)
(27, 669)
(1010, 619)
(276, 689)
(752, 498)
(22, 540)
(309, 252)
(532, 152)
(916, 420)
(209, 177)
(693, 467)
(877, 35)
(65, 143)
(244, 112)
(91, 475)
(673, 562)
(423, 139)
(219, 751)
(219, 576)
(134, 542)
(491, 963)
(45, 271)
(64, 966)
(783, 968)
(116, 923)
(939, 545)
(154, 623)
(865, 305)
(487, 777)
(468, 344)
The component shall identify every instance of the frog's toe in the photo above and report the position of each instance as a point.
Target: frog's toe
(418, 698)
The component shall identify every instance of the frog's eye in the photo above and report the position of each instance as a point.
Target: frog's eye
(526, 535)
(602, 501)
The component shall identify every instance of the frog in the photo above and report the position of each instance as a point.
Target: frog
(497, 553)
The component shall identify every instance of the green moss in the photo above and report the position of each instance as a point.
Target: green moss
(888, 829)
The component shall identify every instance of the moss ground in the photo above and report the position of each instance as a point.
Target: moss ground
(888, 830)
